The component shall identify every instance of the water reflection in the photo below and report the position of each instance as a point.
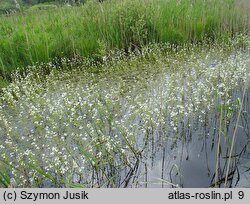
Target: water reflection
(191, 160)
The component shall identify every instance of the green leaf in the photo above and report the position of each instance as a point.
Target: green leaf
(50, 177)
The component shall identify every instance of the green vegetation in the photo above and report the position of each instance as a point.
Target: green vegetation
(91, 126)
(95, 28)
(6, 5)
(14, 6)
(92, 93)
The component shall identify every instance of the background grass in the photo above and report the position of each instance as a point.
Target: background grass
(7, 6)
(91, 30)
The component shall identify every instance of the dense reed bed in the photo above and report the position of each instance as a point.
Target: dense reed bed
(95, 28)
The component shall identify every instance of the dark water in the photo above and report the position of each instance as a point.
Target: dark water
(190, 161)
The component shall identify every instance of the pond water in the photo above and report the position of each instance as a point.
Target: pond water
(165, 120)
(191, 161)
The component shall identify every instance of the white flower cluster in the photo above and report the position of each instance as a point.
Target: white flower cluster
(87, 125)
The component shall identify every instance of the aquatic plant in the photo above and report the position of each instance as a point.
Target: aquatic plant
(93, 125)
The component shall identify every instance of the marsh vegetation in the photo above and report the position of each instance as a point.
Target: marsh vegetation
(98, 125)
(93, 29)
(126, 94)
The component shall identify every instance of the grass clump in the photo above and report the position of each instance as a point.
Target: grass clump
(7, 6)
(94, 28)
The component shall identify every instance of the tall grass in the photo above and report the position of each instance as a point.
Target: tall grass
(6, 6)
(94, 28)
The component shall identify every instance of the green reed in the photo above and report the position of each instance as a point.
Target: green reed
(95, 28)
